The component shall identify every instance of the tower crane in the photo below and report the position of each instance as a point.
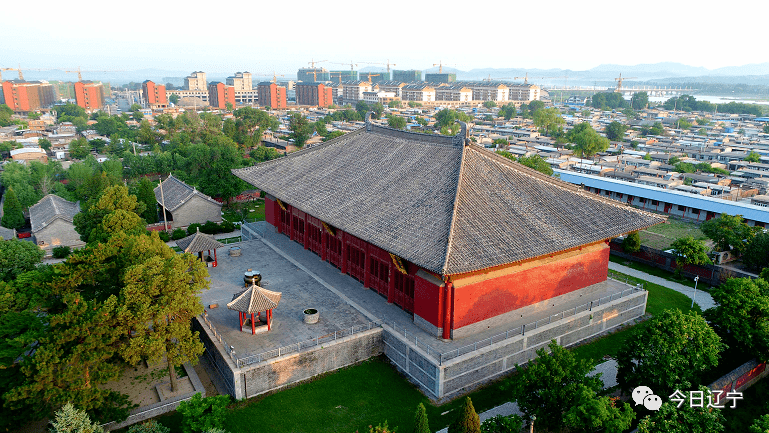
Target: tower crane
(79, 73)
(313, 62)
(275, 76)
(339, 74)
(498, 78)
(440, 66)
(620, 80)
(352, 65)
(21, 76)
(388, 64)
(372, 75)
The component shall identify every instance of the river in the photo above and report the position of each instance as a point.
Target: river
(712, 99)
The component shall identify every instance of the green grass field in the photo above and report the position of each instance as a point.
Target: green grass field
(662, 235)
(657, 272)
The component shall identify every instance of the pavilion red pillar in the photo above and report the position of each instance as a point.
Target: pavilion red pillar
(324, 245)
(448, 294)
(240, 318)
(253, 325)
(215, 258)
(269, 319)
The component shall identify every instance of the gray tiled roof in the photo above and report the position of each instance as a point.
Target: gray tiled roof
(198, 242)
(254, 299)
(446, 207)
(176, 193)
(50, 208)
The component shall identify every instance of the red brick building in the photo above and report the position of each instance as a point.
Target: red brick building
(89, 95)
(25, 96)
(314, 94)
(219, 94)
(448, 231)
(271, 95)
(155, 95)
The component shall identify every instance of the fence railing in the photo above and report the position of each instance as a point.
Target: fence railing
(297, 347)
(521, 330)
(218, 337)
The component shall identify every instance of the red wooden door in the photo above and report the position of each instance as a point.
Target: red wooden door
(404, 291)
(334, 251)
(314, 239)
(285, 221)
(356, 263)
(380, 275)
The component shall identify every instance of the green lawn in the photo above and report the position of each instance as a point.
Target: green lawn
(255, 208)
(676, 229)
(660, 299)
(348, 400)
(657, 272)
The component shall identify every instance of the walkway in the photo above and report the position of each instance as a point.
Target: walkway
(608, 369)
(703, 299)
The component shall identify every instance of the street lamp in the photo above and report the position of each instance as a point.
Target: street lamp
(697, 278)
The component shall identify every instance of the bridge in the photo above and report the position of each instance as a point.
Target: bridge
(626, 90)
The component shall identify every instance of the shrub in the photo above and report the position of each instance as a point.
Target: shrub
(178, 234)
(210, 228)
(193, 228)
(201, 414)
(61, 252)
(150, 426)
(632, 243)
(502, 424)
(467, 421)
(227, 226)
(164, 236)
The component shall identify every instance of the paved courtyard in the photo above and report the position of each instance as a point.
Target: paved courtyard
(308, 282)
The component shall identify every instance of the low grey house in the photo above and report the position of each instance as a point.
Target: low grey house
(186, 205)
(7, 234)
(52, 225)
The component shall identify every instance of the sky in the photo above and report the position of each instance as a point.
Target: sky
(265, 37)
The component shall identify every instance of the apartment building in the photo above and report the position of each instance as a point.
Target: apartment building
(271, 95)
(25, 96)
(154, 95)
(418, 92)
(352, 91)
(314, 94)
(220, 94)
(89, 95)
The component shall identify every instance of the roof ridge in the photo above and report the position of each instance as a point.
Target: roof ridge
(452, 224)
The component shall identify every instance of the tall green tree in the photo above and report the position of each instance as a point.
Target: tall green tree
(586, 140)
(13, 215)
(467, 420)
(300, 129)
(71, 420)
(741, 315)
(115, 211)
(144, 190)
(160, 298)
(760, 425)
(549, 120)
(756, 254)
(507, 111)
(686, 419)
(728, 232)
(551, 384)
(17, 257)
(420, 420)
(615, 131)
(598, 414)
(397, 122)
(537, 163)
(639, 100)
(632, 243)
(671, 352)
(79, 148)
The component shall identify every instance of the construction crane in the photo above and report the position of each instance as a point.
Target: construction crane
(313, 62)
(275, 76)
(79, 73)
(440, 66)
(620, 80)
(492, 79)
(338, 74)
(21, 76)
(372, 75)
(388, 64)
(352, 65)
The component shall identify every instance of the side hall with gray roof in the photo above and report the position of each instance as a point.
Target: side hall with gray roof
(186, 205)
(52, 222)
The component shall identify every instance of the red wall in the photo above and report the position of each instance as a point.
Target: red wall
(479, 301)
(428, 301)
(270, 213)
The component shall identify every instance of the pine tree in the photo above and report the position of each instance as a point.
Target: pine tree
(468, 421)
(146, 194)
(13, 216)
(420, 420)
(71, 420)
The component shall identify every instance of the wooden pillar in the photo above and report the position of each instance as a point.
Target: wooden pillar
(345, 253)
(240, 317)
(367, 267)
(448, 294)
(215, 260)
(323, 244)
(269, 320)
(253, 325)
(391, 284)
(290, 224)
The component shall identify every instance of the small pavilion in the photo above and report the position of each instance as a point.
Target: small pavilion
(255, 300)
(199, 242)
